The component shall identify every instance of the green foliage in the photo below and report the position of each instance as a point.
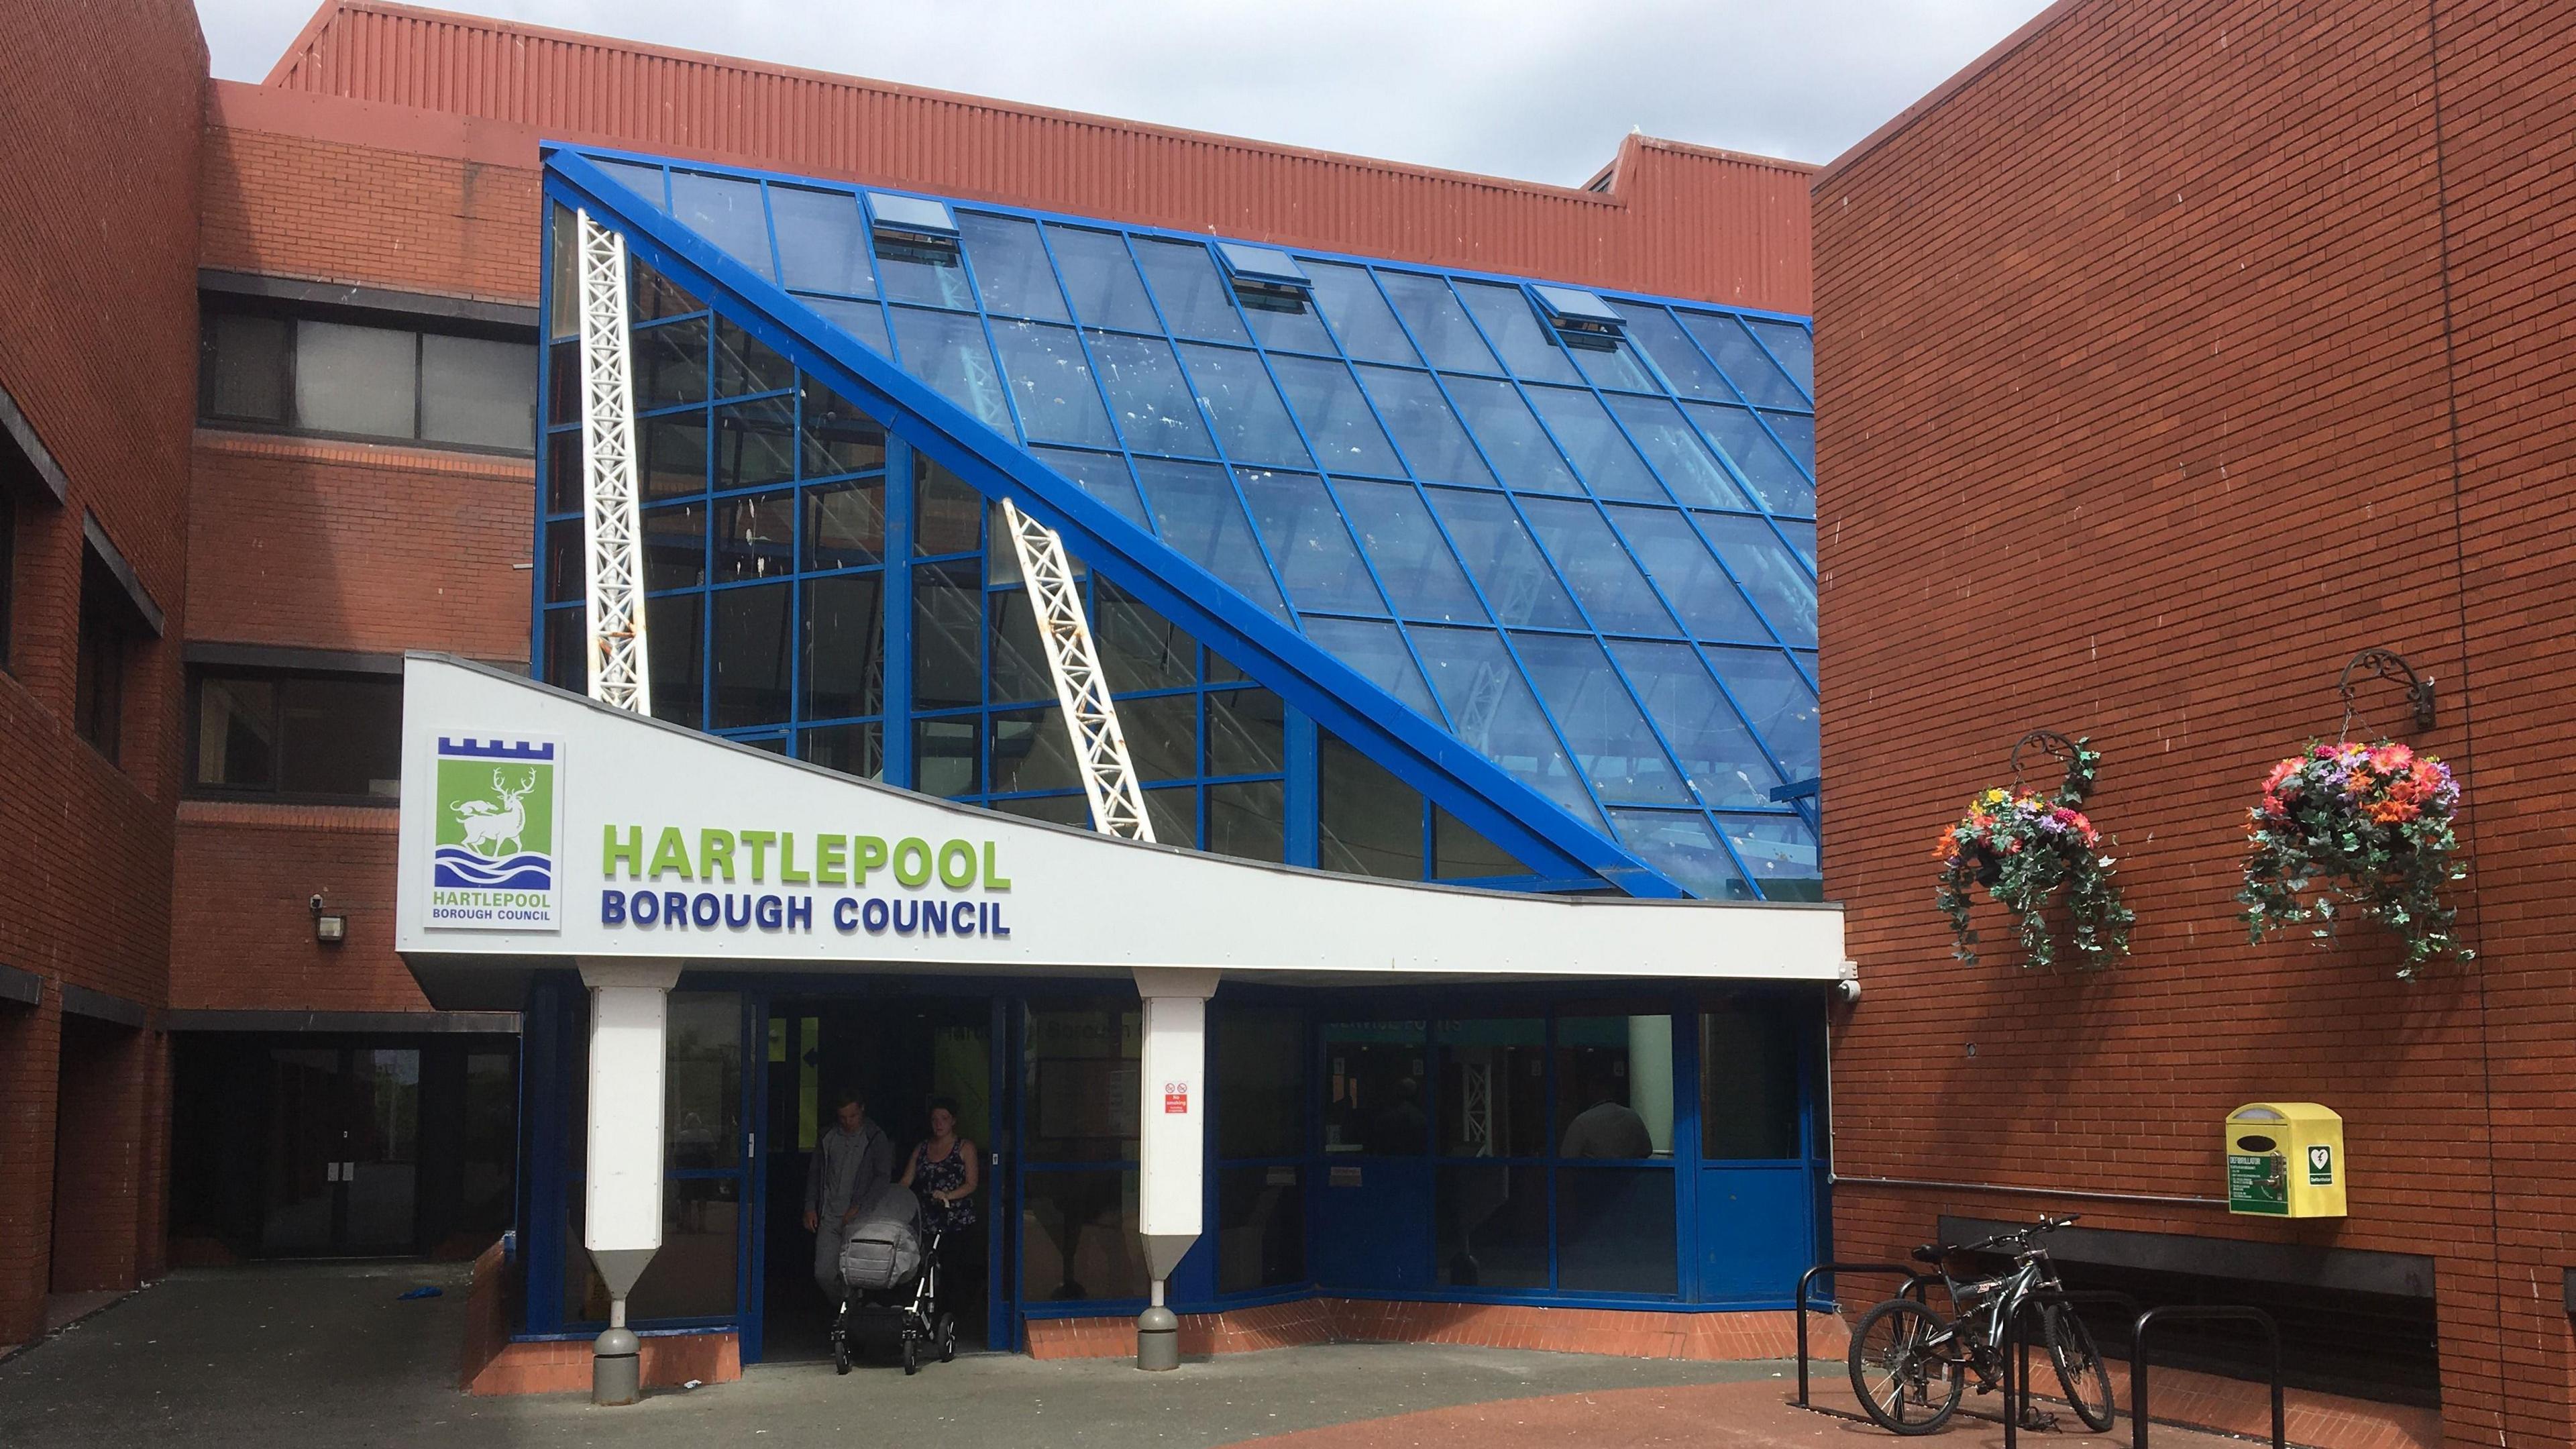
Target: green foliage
(2363, 831)
(2024, 850)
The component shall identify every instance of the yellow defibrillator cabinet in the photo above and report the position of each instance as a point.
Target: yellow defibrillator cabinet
(2285, 1160)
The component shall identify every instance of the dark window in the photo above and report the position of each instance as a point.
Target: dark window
(289, 733)
(1490, 1226)
(1374, 1080)
(1749, 1050)
(324, 375)
(106, 637)
(8, 567)
(1371, 822)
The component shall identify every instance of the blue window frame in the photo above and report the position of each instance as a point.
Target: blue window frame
(1317, 560)
(1439, 325)
(1510, 435)
(1195, 301)
(1252, 425)
(1152, 402)
(1012, 273)
(1418, 414)
(1222, 412)
(1745, 362)
(1411, 555)
(1052, 386)
(822, 243)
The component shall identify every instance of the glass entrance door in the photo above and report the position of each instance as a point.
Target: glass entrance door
(900, 1055)
(343, 1151)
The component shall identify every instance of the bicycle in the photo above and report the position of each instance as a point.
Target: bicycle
(1909, 1367)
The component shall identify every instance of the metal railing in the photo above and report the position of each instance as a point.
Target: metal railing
(2020, 1408)
(1914, 1281)
(2207, 1313)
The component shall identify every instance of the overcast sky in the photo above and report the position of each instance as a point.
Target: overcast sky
(1541, 91)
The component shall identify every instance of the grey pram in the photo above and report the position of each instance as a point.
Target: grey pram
(888, 1270)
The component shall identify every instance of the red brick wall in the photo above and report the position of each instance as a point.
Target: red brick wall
(342, 546)
(359, 546)
(30, 1040)
(99, 1150)
(2508, 82)
(384, 215)
(98, 184)
(2136, 423)
(246, 873)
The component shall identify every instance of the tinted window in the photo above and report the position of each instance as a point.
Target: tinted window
(356, 379)
(326, 376)
(1748, 1056)
(299, 734)
(477, 391)
(8, 567)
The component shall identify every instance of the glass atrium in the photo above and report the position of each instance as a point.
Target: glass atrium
(1570, 530)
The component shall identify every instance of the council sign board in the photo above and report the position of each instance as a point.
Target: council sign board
(538, 823)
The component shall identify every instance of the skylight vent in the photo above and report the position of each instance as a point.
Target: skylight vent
(912, 219)
(1263, 270)
(1578, 316)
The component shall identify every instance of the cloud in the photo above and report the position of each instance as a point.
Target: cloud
(1508, 87)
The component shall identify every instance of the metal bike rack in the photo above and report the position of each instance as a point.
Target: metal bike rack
(2018, 1400)
(2205, 1313)
(2017, 1347)
(1914, 1281)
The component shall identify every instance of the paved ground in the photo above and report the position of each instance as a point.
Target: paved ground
(326, 1355)
(323, 1355)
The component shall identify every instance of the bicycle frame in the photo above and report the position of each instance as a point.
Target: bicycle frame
(2032, 1274)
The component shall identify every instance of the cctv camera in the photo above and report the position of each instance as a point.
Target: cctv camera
(1847, 990)
(314, 904)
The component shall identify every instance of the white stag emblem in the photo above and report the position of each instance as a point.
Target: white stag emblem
(488, 823)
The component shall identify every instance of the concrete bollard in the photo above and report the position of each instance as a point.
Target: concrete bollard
(616, 1368)
(1158, 1339)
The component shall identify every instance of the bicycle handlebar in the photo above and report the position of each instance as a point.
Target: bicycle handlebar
(2018, 1237)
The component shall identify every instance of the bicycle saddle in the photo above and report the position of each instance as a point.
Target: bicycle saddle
(1929, 1253)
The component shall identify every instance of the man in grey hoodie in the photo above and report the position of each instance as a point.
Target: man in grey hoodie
(853, 1159)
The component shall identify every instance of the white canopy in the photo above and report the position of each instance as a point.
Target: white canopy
(536, 823)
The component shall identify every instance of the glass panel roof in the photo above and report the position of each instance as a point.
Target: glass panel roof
(1636, 510)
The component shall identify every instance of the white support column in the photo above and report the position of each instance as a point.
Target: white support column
(630, 1011)
(1172, 1142)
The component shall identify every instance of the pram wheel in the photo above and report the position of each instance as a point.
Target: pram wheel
(911, 1357)
(840, 1357)
(947, 1337)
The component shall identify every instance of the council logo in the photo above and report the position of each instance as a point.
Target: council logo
(493, 861)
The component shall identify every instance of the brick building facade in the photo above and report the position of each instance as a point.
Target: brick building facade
(226, 1073)
(2171, 356)
(97, 325)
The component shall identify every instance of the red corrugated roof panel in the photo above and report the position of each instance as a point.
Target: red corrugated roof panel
(1674, 219)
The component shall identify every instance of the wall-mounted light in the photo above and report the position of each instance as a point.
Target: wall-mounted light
(330, 928)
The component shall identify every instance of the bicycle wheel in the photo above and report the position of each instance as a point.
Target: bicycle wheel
(2079, 1366)
(1903, 1378)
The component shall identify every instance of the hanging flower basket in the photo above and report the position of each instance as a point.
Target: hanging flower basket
(2024, 849)
(2349, 830)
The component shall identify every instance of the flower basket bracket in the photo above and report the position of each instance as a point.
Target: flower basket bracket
(2385, 664)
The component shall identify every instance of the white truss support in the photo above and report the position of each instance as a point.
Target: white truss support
(620, 671)
(1108, 774)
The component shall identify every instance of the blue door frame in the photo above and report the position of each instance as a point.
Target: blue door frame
(1000, 1320)
(1738, 1225)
